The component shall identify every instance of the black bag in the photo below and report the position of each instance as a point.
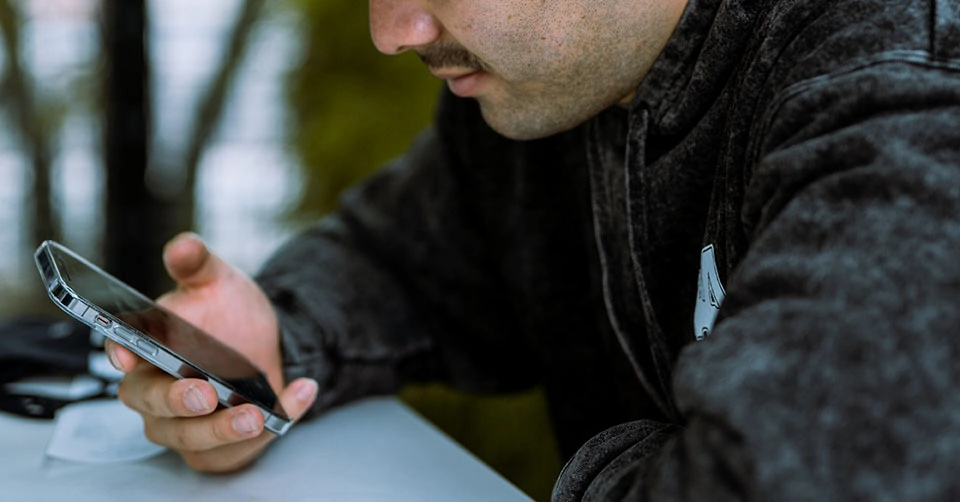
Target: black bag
(43, 347)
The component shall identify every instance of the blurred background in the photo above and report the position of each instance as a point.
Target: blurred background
(124, 122)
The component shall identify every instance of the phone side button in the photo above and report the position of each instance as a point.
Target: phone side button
(125, 333)
(148, 347)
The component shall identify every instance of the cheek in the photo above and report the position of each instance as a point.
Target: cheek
(522, 42)
(486, 24)
(514, 45)
(462, 27)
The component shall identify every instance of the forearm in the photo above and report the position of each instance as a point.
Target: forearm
(404, 282)
(343, 321)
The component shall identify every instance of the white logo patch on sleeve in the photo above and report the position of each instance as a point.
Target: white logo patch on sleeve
(710, 294)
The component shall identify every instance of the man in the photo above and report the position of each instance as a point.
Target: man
(720, 234)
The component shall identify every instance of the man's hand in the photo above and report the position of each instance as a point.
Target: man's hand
(180, 414)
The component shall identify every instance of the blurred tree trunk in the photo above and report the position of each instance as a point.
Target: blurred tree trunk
(27, 117)
(137, 220)
(210, 109)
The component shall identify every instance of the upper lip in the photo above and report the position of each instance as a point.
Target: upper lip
(451, 73)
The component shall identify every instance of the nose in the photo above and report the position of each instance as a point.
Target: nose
(400, 25)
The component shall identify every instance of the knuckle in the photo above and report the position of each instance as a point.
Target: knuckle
(184, 440)
(201, 462)
(123, 392)
(150, 431)
(148, 406)
(157, 396)
(222, 431)
(213, 461)
(235, 464)
(128, 394)
(135, 391)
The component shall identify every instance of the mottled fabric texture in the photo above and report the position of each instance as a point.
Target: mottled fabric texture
(814, 144)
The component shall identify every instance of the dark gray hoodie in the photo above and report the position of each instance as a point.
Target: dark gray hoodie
(745, 286)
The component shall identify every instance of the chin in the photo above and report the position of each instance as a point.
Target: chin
(530, 123)
(521, 126)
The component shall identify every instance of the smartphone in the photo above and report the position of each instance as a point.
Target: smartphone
(154, 333)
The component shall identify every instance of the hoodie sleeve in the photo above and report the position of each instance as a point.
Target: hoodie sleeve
(832, 371)
(398, 283)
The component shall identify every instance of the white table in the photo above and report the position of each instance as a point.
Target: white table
(376, 449)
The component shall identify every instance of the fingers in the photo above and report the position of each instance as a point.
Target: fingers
(229, 438)
(297, 397)
(205, 433)
(121, 358)
(189, 262)
(226, 455)
(151, 392)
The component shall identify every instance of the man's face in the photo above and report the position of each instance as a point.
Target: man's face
(537, 67)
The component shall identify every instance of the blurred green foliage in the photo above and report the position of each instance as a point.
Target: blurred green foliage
(510, 433)
(355, 109)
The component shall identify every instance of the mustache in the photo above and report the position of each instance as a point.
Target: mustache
(450, 56)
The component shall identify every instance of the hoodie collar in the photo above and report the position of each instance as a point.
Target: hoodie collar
(696, 63)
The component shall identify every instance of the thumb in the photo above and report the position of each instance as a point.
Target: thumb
(297, 397)
(189, 262)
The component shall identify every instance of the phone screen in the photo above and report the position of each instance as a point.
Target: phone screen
(199, 350)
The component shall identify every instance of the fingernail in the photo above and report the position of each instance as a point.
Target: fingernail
(113, 358)
(194, 400)
(307, 391)
(183, 236)
(244, 423)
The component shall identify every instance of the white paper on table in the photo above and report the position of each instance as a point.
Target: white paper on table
(100, 431)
